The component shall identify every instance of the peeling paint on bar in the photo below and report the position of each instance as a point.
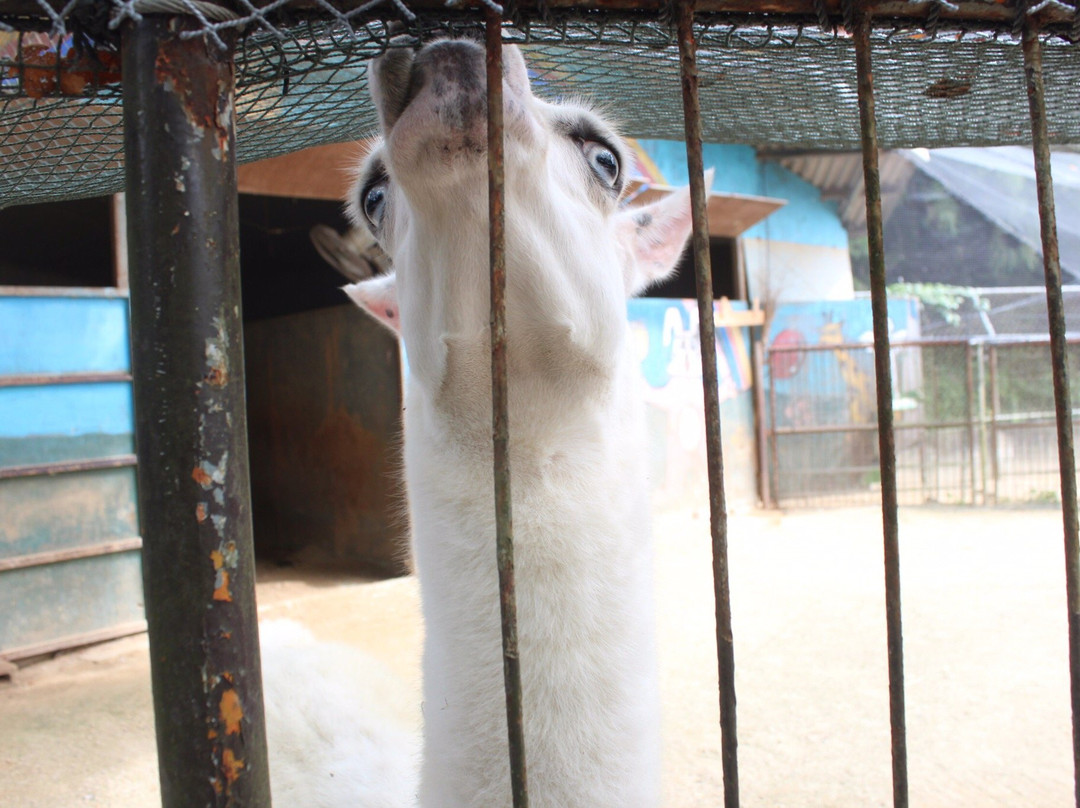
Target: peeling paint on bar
(191, 426)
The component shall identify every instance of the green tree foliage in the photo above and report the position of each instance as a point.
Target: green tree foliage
(933, 238)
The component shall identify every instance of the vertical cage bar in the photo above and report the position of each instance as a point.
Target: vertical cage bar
(995, 407)
(758, 368)
(886, 436)
(774, 438)
(1033, 74)
(500, 406)
(980, 388)
(707, 325)
(969, 393)
(191, 429)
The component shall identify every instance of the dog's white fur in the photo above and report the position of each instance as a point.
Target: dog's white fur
(340, 726)
(578, 454)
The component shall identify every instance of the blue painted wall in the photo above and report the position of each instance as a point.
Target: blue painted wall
(806, 219)
(64, 335)
(665, 334)
(51, 603)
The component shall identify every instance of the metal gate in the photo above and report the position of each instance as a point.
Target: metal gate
(974, 422)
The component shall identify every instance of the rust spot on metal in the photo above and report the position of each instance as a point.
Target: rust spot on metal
(207, 475)
(232, 714)
(231, 766)
(207, 113)
(217, 377)
(221, 579)
(221, 587)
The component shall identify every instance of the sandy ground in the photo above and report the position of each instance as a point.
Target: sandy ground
(985, 648)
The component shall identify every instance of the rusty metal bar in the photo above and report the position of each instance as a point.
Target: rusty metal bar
(932, 396)
(774, 447)
(191, 425)
(725, 647)
(500, 408)
(1033, 74)
(761, 431)
(969, 392)
(999, 15)
(70, 554)
(42, 379)
(826, 347)
(995, 407)
(980, 376)
(831, 429)
(67, 467)
(886, 436)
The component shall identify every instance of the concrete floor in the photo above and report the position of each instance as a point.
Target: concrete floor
(985, 652)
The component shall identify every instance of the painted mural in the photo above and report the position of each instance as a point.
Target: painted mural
(823, 387)
(813, 391)
(665, 333)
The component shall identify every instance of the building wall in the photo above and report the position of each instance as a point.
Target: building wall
(69, 539)
(825, 396)
(800, 252)
(665, 333)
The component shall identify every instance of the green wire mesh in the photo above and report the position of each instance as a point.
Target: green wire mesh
(300, 83)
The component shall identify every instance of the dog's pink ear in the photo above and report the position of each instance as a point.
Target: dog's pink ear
(378, 297)
(655, 236)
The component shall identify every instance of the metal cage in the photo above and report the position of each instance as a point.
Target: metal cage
(178, 67)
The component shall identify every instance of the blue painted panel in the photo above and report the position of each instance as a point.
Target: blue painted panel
(63, 334)
(72, 409)
(805, 383)
(806, 219)
(669, 346)
(833, 321)
(67, 510)
(42, 604)
(665, 335)
(33, 449)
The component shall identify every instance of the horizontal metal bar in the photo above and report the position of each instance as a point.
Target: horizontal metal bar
(67, 467)
(59, 291)
(832, 470)
(830, 429)
(999, 341)
(1016, 422)
(47, 379)
(71, 554)
(778, 11)
(74, 641)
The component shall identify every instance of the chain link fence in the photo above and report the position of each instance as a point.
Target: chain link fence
(300, 80)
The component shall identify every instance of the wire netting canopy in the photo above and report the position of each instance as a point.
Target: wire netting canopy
(770, 80)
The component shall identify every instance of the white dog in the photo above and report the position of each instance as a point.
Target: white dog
(578, 452)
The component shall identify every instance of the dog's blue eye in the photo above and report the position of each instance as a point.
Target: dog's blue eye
(373, 202)
(602, 161)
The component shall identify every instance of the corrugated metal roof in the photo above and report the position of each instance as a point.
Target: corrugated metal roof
(839, 176)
